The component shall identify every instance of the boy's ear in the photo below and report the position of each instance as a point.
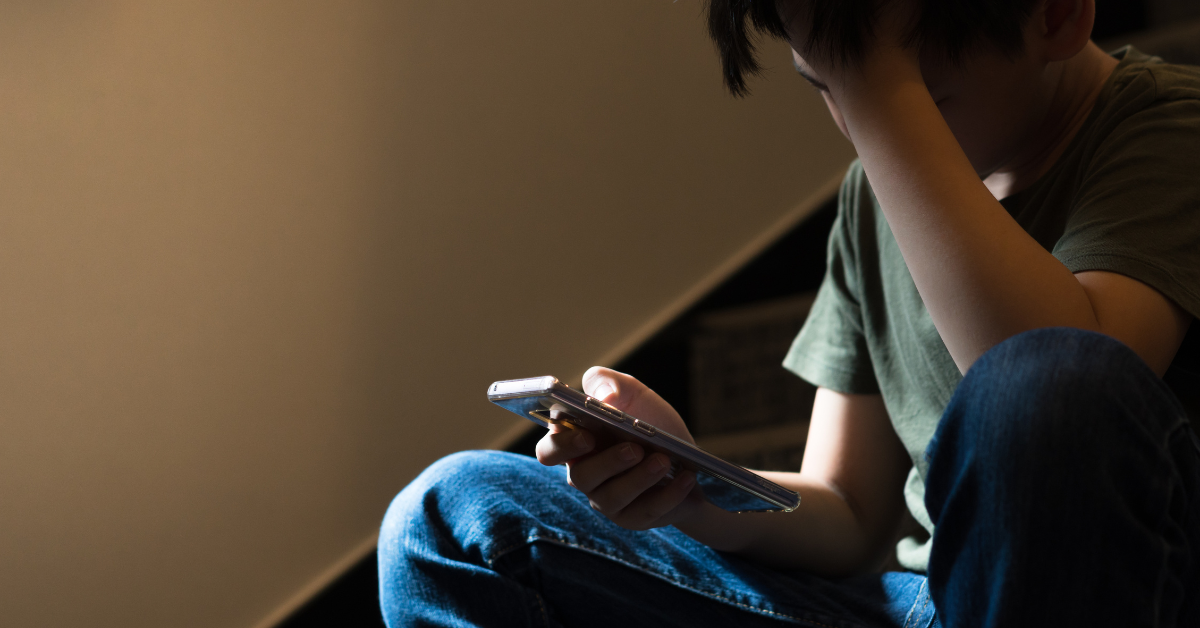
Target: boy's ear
(1065, 26)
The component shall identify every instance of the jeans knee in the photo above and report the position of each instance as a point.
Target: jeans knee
(452, 493)
(1049, 384)
(1060, 366)
(1049, 402)
(429, 524)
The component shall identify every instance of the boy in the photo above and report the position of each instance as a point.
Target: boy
(1024, 212)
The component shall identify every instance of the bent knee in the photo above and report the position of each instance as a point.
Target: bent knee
(1055, 371)
(461, 489)
(1057, 362)
(464, 469)
(460, 477)
(1054, 388)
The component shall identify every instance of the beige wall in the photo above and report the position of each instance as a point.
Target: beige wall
(259, 261)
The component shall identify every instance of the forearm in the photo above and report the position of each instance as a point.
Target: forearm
(823, 536)
(982, 278)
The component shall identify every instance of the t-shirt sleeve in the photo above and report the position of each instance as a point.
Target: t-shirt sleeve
(1138, 209)
(831, 350)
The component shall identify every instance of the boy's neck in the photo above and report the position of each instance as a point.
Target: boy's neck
(1075, 85)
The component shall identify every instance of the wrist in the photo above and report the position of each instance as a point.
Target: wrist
(883, 71)
(883, 103)
(713, 527)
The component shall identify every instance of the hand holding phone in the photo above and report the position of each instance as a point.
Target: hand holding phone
(637, 470)
(624, 480)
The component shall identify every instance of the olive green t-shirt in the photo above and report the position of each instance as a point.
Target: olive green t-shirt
(1124, 197)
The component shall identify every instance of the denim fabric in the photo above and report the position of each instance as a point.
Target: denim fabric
(1064, 483)
(496, 539)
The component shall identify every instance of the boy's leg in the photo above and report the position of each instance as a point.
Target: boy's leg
(1064, 483)
(495, 539)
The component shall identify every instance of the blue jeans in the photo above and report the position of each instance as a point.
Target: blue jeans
(1064, 482)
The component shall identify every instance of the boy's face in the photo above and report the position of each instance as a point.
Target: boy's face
(991, 102)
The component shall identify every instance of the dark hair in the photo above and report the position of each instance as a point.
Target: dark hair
(843, 28)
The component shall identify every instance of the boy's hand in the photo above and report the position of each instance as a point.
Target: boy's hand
(622, 481)
(886, 62)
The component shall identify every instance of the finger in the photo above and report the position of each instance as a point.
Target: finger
(651, 508)
(601, 383)
(629, 395)
(593, 471)
(558, 447)
(618, 492)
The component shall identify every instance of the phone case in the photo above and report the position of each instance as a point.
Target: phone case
(546, 400)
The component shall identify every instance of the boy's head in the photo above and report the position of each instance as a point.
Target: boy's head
(994, 68)
(843, 29)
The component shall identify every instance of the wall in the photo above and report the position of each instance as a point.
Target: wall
(259, 261)
(1166, 13)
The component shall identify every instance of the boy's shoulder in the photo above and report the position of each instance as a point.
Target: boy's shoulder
(1145, 79)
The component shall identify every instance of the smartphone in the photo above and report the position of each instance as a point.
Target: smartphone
(545, 400)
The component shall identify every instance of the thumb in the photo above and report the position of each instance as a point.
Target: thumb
(601, 383)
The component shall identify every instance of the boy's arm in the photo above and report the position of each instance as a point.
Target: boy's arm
(852, 496)
(851, 483)
(982, 278)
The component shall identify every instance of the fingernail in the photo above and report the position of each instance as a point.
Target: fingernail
(626, 453)
(583, 439)
(603, 391)
(660, 464)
